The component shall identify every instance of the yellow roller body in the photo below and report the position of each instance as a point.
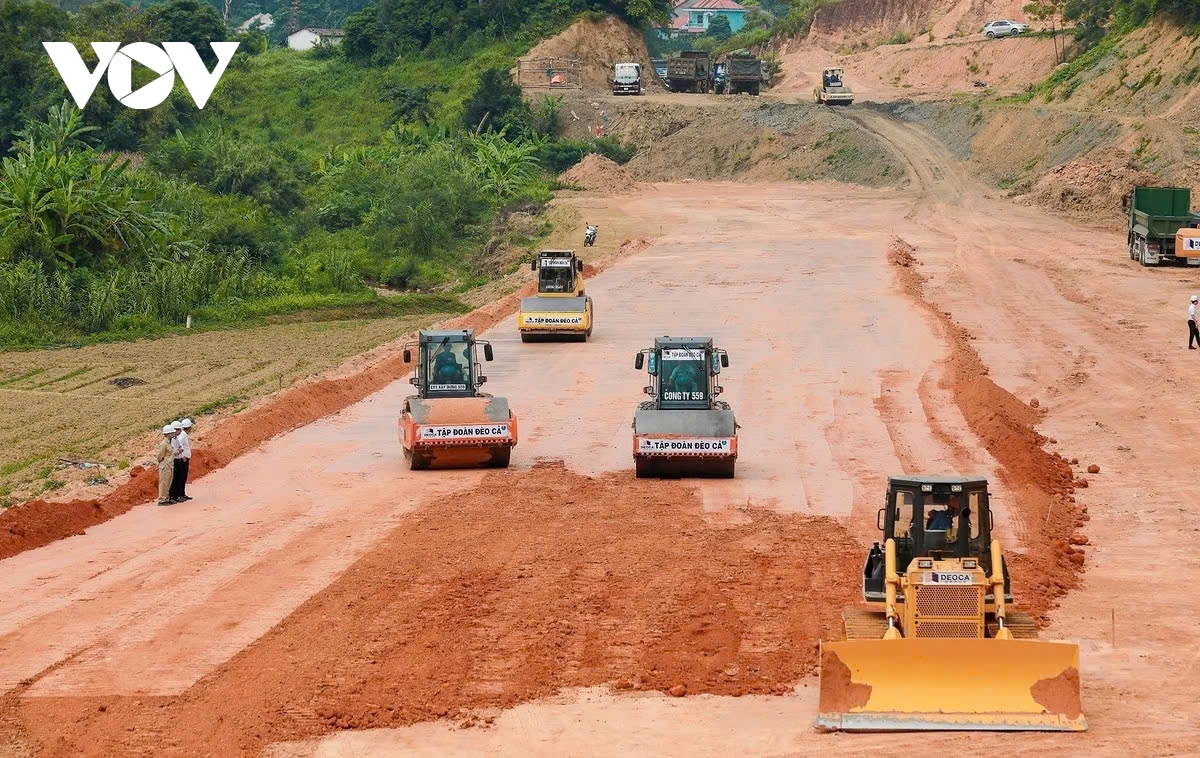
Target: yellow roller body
(950, 684)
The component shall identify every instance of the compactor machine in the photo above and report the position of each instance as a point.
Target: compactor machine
(449, 423)
(683, 430)
(938, 646)
(833, 89)
(560, 309)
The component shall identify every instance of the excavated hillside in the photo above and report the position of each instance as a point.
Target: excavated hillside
(597, 45)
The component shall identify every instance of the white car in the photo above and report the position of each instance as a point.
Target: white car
(1004, 29)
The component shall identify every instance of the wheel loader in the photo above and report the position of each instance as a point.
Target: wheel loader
(560, 309)
(449, 423)
(683, 430)
(937, 645)
(833, 90)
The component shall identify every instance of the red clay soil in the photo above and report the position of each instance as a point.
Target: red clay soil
(586, 581)
(40, 522)
(1041, 482)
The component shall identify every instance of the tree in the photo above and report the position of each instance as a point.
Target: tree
(1049, 10)
(191, 21)
(495, 99)
(24, 25)
(719, 29)
(1092, 17)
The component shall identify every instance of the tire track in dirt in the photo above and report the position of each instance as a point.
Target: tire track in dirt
(1041, 482)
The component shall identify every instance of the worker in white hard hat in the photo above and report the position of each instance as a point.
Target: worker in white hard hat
(166, 464)
(183, 457)
(1193, 335)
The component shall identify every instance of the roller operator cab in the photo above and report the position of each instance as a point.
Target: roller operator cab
(449, 423)
(683, 430)
(560, 309)
(937, 645)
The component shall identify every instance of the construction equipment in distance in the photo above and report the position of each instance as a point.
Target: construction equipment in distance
(833, 89)
(560, 308)
(938, 647)
(449, 423)
(627, 79)
(1157, 215)
(690, 71)
(684, 430)
(743, 74)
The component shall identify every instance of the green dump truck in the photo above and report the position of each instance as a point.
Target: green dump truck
(1155, 215)
(743, 73)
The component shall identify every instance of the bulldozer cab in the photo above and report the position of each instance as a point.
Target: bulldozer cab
(446, 363)
(559, 272)
(683, 372)
(934, 517)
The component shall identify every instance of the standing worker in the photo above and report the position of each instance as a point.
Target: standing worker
(166, 464)
(183, 457)
(1193, 335)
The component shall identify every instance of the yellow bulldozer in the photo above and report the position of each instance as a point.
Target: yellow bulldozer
(937, 646)
(560, 309)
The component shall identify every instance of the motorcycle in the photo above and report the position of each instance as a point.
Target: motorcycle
(589, 236)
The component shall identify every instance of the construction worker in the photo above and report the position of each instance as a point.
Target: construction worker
(183, 457)
(1193, 335)
(685, 378)
(166, 464)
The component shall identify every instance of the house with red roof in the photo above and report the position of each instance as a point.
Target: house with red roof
(694, 16)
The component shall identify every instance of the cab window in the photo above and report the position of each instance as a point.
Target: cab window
(903, 504)
(973, 502)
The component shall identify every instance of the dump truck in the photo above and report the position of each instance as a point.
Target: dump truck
(690, 71)
(833, 89)
(449, 423)
(1156, 215)
(560, 309)
(743, 73)
(683, 430)
(627, 79)
(936, 645)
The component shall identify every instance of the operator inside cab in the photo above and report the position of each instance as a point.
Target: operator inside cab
(447, 369)
(944, 517)
(685, 377)
(557, 278)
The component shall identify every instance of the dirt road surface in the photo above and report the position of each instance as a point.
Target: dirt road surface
(315, 586)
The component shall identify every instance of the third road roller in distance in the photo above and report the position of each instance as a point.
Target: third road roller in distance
(683, 430)
(938, 646)
(560, 309)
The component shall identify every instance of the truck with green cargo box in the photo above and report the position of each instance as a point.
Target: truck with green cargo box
(743, 73)
(1155, 215)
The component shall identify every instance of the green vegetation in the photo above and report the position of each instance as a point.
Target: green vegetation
(899, 38)
(308, 182)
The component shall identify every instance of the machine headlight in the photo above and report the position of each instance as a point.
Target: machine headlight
(970, 563)
(925, 563)
(927, 488)
(956, 488)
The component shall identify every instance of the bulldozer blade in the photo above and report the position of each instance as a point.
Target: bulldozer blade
(949, 684)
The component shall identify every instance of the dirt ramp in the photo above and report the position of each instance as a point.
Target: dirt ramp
(597, 45)
(584, 581)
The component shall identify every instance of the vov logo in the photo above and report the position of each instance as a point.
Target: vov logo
(165, 61)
